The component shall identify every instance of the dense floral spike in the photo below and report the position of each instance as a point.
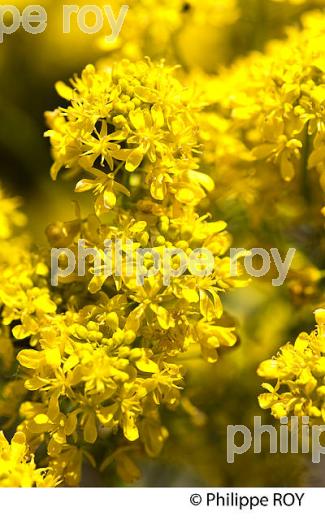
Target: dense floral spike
(99, 354)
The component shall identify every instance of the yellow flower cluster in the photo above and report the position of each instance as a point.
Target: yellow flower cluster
(99, 354)
(17, 466)
(270, 113)
(123, 117)
(300, 373)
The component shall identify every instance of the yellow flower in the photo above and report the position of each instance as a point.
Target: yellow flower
(126, 118)
(270, 110)
(299, 370)
(17, 466)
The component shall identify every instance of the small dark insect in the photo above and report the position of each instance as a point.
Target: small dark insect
(186, 7)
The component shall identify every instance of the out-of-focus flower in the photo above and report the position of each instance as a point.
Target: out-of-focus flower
(192, 33)
(10, 215)
(274, 106)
